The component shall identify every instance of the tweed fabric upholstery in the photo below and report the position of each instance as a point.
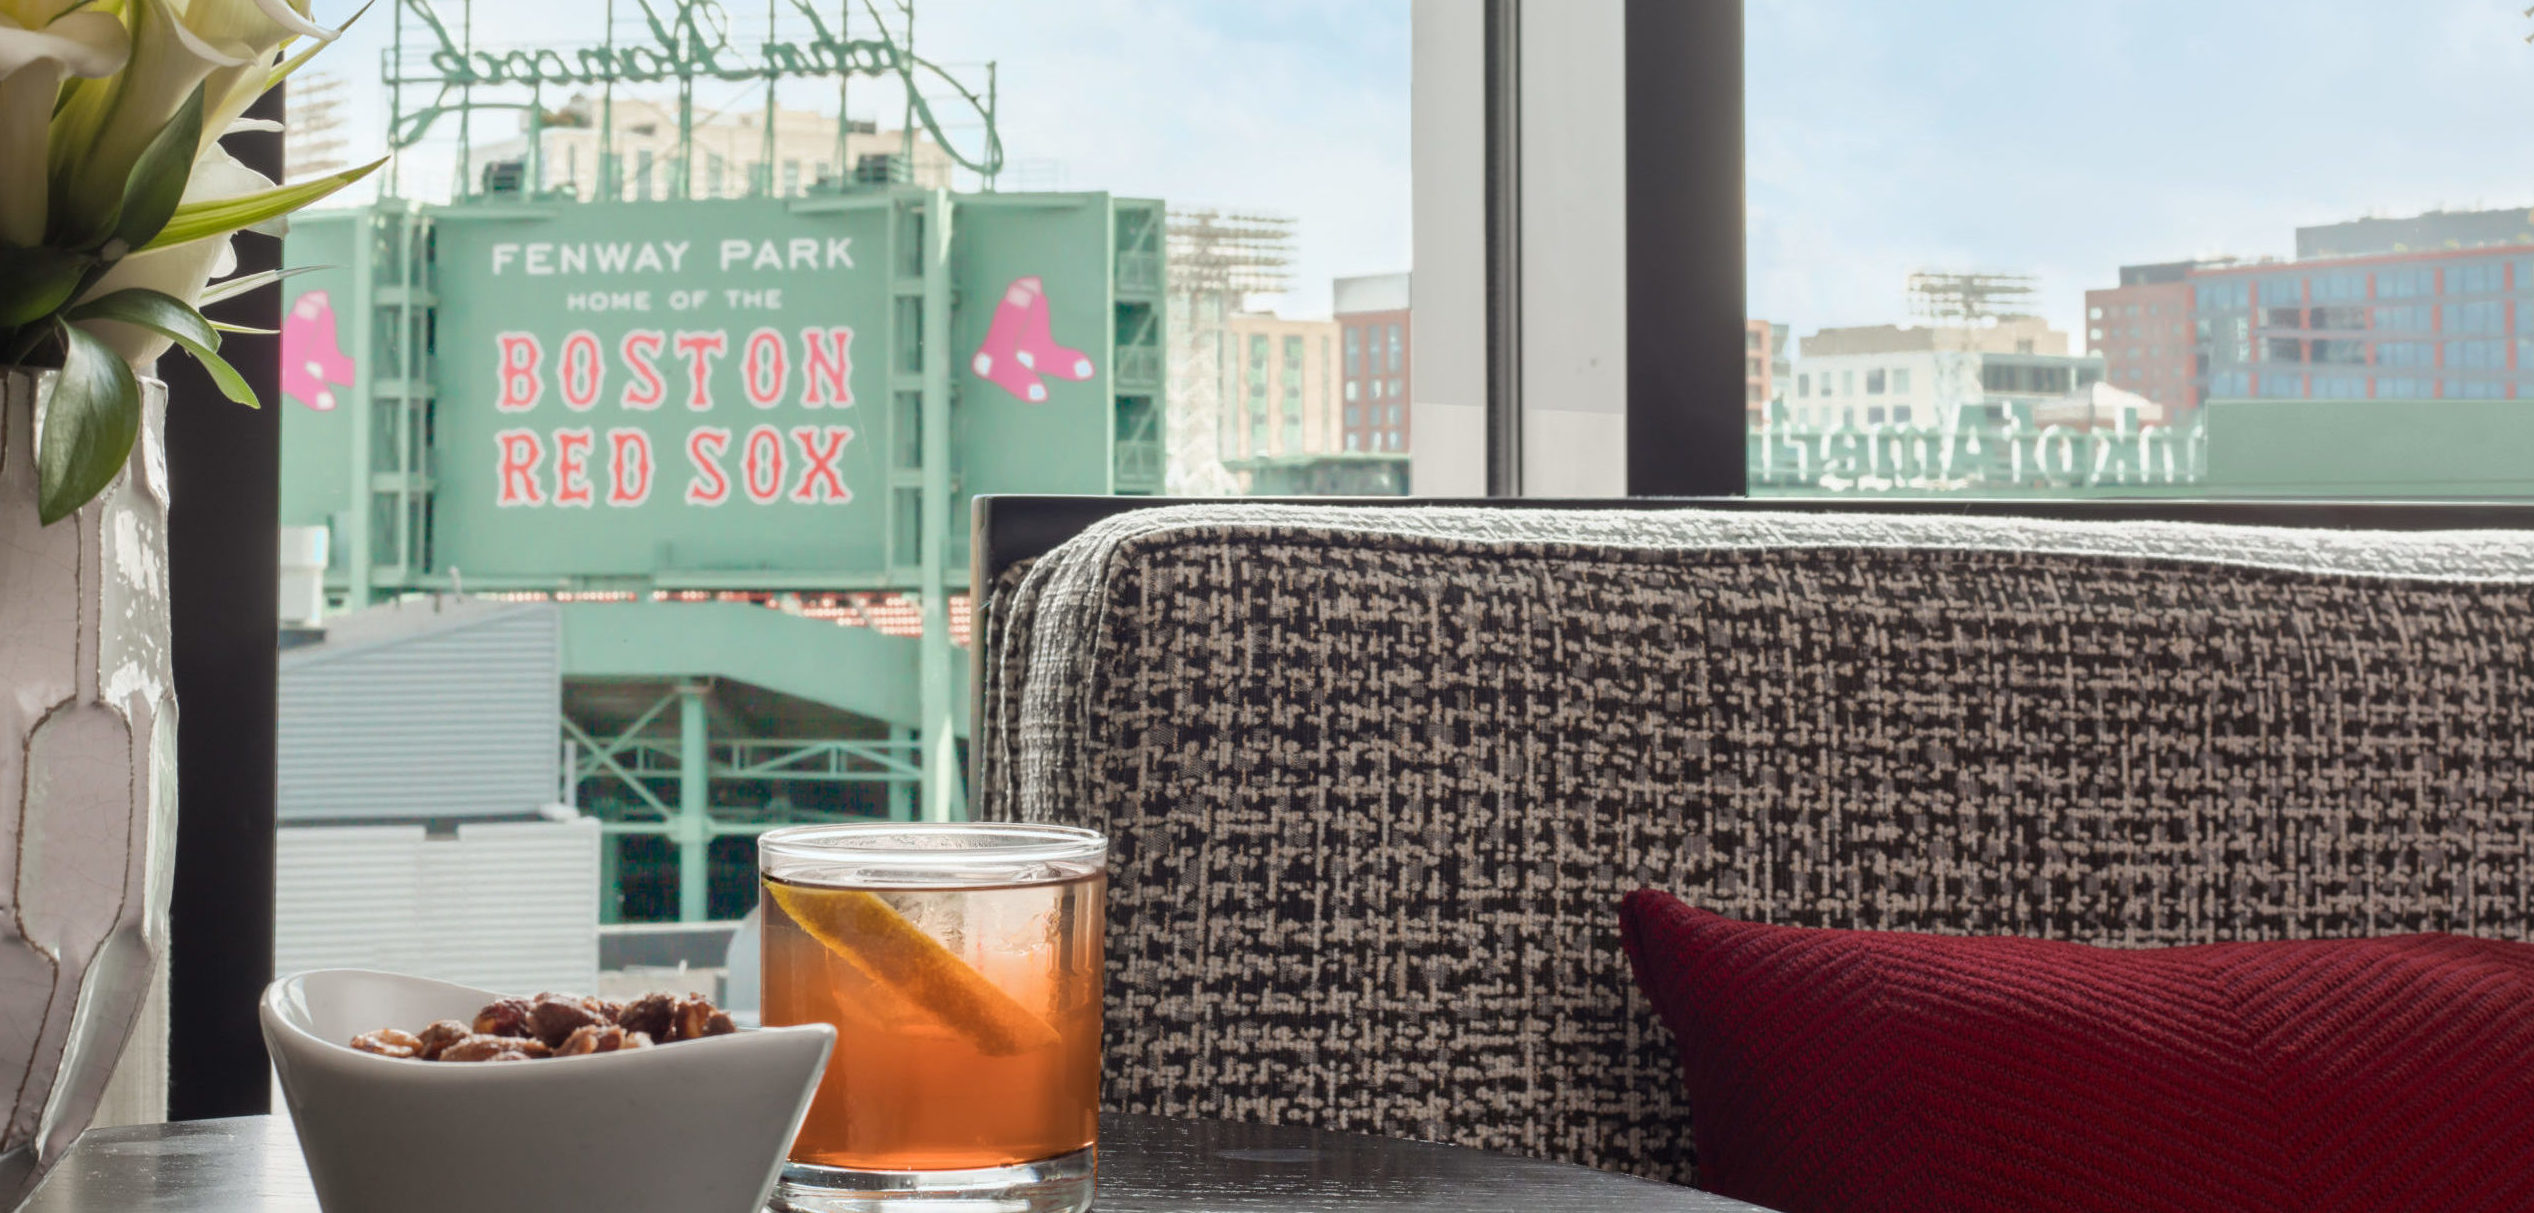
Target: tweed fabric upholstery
(1377, 779)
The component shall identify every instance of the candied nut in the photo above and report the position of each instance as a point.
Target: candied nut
(600, 1038)
(694, 1018)
(651, 1015)
(608, 1009)
(553, 1018)
(506, 1017)
(439, 1036)
(637, 1040)
(485, 1047)
(531, 1046)
(720, 1024)
(387, 1042)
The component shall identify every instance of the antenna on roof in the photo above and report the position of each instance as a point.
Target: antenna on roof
(1960, 298)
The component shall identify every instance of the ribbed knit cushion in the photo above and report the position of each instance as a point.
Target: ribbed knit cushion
(1852, 1070)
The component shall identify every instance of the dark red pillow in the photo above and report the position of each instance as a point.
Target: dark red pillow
(1854, 1070)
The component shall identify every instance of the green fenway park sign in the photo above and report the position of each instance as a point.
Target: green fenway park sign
(716, 386)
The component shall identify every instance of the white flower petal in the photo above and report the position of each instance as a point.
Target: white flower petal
(85, 44)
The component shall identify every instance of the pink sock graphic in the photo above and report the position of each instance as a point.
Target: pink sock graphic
(1020, 345)
(311, 357)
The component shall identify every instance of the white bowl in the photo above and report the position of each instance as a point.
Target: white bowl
(697, 1126)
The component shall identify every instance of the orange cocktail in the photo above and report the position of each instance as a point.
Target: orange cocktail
(960, 965)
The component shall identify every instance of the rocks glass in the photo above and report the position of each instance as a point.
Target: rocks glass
(960, 965)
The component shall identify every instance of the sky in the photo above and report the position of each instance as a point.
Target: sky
(2063, 140)
(1291, 107)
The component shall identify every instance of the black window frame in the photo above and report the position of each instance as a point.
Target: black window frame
(223, 539)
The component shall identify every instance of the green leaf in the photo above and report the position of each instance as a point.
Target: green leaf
(234, 287)
(90, 424)
(168, 316)
(220, 216)
(36, 282)
(226, 327)
(157, 183)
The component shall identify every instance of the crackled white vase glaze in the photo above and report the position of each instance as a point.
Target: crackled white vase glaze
(87, 780)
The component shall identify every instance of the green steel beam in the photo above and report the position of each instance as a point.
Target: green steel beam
(940, 699)
(357, 554)
(694, 799)
(855, 669)
(902, 795)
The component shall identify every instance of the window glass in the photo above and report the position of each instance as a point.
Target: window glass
(2406, 282)
(694, 383)
(2416, 318)
(2201, 316)
(2488, 316)
(2476, 278)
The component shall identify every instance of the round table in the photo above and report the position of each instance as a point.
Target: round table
(251, 1164)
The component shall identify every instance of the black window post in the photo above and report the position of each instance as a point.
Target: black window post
(1686, 428)
(224, 486)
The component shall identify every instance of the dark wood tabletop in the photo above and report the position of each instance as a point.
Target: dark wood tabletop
(251, 1165)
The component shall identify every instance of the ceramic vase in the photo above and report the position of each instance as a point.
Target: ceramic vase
(87, 780)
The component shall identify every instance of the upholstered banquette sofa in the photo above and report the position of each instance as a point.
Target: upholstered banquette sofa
(1378, 778)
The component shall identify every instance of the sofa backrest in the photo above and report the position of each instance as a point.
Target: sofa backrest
(1377, 778)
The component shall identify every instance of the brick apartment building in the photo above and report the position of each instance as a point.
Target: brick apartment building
(2434, 306)
(1372, 320)
(1761, 342)
(2142, 329)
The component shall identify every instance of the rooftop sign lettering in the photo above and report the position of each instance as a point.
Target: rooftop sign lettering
(682, 41)
(691, 42)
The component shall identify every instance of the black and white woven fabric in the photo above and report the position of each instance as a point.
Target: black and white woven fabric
(1377, 779)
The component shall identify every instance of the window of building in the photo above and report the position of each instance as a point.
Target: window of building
(791, 177)
(1900, 414)
(642, 174)
(1874, 382)
(1398, 349)
(1354, 350)
(2487, 316)
(2476, 277)
(2476, 389)
(1847, 383)
(1900, 380)
(1350, 389)
(2403, 389)
(2406, 353)
(1803, 386)
(2408, 282)
(2415, 318)
(2477, 355)
(2339, 285)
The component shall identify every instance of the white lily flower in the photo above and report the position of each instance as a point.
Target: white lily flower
(224, 45)
(179, 270)
(261, 26)
(39, 47)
